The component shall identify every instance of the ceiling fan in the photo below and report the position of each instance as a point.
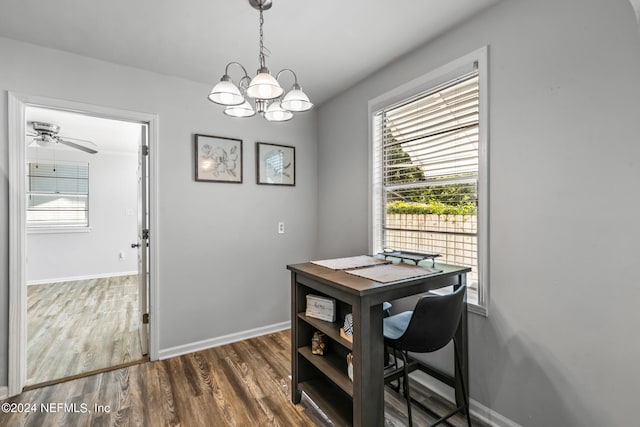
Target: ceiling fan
(46, 135)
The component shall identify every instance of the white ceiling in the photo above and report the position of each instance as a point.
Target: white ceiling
(108, 135)
(331, 45)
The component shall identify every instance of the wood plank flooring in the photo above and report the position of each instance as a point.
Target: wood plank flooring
(241, 384)
(81, 326)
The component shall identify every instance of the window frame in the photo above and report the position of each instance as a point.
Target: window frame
(476, 60)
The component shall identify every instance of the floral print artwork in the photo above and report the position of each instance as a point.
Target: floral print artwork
(218, 159)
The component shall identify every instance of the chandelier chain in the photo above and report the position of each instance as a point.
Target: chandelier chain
(261, 54)
(264, 51)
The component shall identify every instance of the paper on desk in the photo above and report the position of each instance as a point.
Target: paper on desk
(348, 263)
(393, 272)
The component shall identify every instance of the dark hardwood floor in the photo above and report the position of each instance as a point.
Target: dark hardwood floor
(241, 384)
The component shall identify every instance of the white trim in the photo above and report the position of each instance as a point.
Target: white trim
(409, 89)
(426, 81)
(75, 278)
(153, 142)
(223, 340)
(482, 307)
(17, 374)
(477, 409)
(4, 392)
(17, 104)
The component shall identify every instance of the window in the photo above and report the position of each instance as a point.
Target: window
(429, 169)
(57, 195)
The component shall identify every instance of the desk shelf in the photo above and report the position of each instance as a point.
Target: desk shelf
(332, 366)
(330, 329)
(330, 400)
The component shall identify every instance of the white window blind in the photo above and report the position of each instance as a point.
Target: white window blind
(57, 195)
(427, 155)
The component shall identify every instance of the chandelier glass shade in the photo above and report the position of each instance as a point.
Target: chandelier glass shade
(263, 89)
(275, 113)
(243, 110)
(226, 93)
(264, 86)
(296, 100)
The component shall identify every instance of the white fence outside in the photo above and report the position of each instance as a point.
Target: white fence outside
(454, 237)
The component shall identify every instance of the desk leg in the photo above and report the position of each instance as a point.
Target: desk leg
(296, 394)
(368, 369)
(462, 340)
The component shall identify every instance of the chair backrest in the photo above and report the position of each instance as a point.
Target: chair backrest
(433, 323)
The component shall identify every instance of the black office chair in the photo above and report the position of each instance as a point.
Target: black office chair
(429, 327)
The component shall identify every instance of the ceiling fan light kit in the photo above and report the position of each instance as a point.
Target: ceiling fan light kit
(264, 89)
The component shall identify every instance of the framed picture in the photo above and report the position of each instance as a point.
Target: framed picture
(218, 159)
(275, 164)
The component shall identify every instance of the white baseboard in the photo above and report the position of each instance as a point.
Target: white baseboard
(72, 279)
(477, 409)
(218, 341)
(4, 392)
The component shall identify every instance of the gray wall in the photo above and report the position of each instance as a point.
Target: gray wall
(560, 346)
(208, 232)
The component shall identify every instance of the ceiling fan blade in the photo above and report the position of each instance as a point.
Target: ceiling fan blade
(31, 133)
(85, 141)
(77, 146)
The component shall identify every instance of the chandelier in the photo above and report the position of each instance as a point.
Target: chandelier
(263, 89)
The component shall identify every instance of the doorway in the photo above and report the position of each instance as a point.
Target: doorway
(81, 287)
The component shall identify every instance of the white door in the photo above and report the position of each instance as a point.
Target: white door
(143, 240)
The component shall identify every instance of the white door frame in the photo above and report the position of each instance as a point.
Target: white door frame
(17, 374)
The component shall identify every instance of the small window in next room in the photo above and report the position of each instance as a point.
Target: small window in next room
(429, 164)
(57, 196)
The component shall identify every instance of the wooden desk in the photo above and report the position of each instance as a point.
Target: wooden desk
(324, 378)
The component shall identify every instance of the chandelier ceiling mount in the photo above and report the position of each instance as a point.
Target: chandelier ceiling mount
(261, 4)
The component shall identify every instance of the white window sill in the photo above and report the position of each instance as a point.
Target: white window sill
(472, 306)
(477, 309)
(58, 230)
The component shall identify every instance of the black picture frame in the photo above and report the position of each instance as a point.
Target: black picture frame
(218, 159)
(275, 164)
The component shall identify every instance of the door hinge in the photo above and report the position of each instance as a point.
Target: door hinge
(145, 233)
(145, 150)
(145, 318)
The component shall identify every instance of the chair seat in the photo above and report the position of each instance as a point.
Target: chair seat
(394, 326)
